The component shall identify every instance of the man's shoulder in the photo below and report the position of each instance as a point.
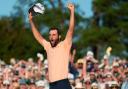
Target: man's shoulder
(46, 44)
(65, 43)
(62, 42)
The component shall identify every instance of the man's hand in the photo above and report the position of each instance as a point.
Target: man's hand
(71, 7)
(30, 16)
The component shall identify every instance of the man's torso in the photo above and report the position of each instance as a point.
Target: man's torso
(58, 59)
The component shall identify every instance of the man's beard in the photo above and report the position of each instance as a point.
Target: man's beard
(54, 42)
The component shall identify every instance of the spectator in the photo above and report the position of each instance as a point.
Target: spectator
(87, 83)
(40, 84)
(23, 84)
(94, 86)
(79, 86)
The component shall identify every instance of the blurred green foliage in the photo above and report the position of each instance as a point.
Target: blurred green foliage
(107, 27)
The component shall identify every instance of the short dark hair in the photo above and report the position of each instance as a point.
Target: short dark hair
(55, 28)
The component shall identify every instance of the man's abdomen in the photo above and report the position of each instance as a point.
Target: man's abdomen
(58, 71)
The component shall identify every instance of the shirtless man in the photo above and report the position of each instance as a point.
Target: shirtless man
(57, 52)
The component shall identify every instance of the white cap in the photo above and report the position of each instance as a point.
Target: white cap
(115, 64)
(30, 59)
(46, 62)
(13, 61)
(6, 82)
(114, 83)
(105, 57)
(90, 53)
(110, 83)
(108, 74)
(39, 8)
(35, 67)
(40, 56)
(45, 66)
(80, 60)
(94, 84)
(40, 83)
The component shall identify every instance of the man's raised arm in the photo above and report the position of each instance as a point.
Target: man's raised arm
(71, 23)
(36, 34)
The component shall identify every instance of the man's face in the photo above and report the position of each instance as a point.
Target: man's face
(32, 86)
(92, 76)
(23, 87)
(53, 37)
(115, 68)
(80, 65)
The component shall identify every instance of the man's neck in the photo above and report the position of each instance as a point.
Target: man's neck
(55, 45)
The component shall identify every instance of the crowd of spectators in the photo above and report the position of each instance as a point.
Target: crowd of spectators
(23, 74)
(86, 73)
(91, 73)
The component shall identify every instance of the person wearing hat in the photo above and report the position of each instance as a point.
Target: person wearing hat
(87, 83)
(40, 84)
(23, 84)
(92, 77)
(90, 61)
(6, 84)
(114, 85)
(109, 76)
(57, 52)
(116, 70)
(94, 86)
(85, 69)
(79, 85)
(31, 84)
(79, 66)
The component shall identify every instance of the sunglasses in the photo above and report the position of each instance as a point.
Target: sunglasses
(114, 86)
(99, 77)
(14, 81)
(88, 83)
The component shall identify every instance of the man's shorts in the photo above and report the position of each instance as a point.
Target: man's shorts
(61, 84)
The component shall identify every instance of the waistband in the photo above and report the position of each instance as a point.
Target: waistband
(59, 81)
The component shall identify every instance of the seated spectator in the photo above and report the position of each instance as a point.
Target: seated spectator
(94, 86)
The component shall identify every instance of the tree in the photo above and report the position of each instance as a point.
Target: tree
(108, 27)
(16, 41)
